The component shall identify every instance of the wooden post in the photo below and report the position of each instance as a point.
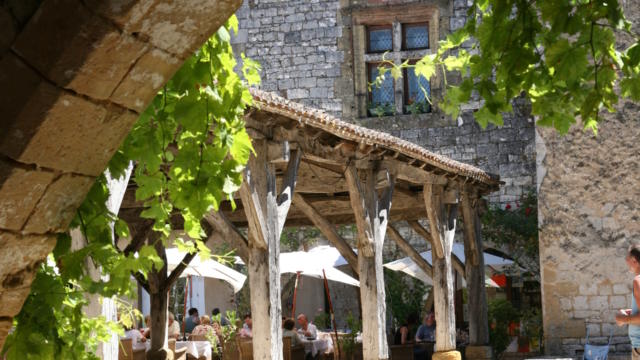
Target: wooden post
(442, 222)
(266, 213)
(371, 215)
(478, 348)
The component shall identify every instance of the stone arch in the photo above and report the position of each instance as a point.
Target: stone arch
(74, 76)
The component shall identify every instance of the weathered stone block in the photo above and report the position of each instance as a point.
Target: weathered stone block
(58, 205)
(580, 303)
(5, 326)
(77, 50)
(588, 289)
(178, 27)
(20, 256)
(598, 302)
(20, 190)
(621, 289)
(74, 135)
(618, 302)
(12, 300)
(144, 80)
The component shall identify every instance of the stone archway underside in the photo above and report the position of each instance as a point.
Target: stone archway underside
(74, 76)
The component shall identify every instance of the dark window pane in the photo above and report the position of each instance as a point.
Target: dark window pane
(416, 36)
(417, 86)
(380, 40)
(384, 94)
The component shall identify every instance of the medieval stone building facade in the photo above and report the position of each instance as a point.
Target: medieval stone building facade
(324, 53)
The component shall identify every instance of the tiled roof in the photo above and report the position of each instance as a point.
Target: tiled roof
(271, 102)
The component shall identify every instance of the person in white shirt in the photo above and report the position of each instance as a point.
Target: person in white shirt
(137, 340)
(308, 329)
(174, 327)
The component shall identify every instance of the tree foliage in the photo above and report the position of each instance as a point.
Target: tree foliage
(514, 228)
(562, 55)
(190, 147)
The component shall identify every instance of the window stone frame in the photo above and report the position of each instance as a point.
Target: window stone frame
(396, 16)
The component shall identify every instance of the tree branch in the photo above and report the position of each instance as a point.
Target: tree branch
(142, 281)
(175, 274)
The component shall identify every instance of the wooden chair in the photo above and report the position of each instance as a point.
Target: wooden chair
(292, 352)
(125, 349)
(245, 347)
(177, 354)
(402, 352)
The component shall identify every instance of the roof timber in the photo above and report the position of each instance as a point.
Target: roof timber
(328, 146)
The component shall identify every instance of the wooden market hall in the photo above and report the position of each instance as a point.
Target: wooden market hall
(312, 169)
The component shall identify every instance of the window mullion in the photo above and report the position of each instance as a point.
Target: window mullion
(397, 51)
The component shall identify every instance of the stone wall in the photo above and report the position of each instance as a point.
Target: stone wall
(306, 49)
(74, 76)
(588, 215)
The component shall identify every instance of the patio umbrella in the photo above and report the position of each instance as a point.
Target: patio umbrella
(308, 264)
(329, 255)
(207, 268)
(407, 266)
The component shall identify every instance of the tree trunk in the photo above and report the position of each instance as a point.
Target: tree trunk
(159, 344)
(159, 299)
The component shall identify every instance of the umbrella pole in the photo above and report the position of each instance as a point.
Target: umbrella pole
(336, 344)
(295, 295)
(184, 323)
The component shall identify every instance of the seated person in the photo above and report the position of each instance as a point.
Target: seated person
(204, 328)
(137, 339)
(191, 321)
(223, 320)
(146, 330)
(307, 329)
(405, 334)
(289, 326)
(174, 328)
(427, 331)
(245, 332)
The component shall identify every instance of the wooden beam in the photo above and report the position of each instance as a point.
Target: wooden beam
(266, 212)
(359, 206)
(372, 216)
(443, 218)
(432, 200)
(228, 232)
(421, 230)
(475, 276)
(410, 173)
(328, 230)
(410, 251)
(468, 222)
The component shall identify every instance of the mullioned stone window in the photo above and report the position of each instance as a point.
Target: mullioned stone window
(397, 34)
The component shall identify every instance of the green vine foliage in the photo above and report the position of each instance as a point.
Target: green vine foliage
(562, 55)
(190, 147)
(405, 296)
(514, 228)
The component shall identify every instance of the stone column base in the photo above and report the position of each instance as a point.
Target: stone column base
(447, 355)
(478, 352)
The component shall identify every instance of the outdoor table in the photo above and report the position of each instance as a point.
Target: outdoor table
(315, 346)
(196, 348)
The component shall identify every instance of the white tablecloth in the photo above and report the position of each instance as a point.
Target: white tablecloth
(196, 348)
(315, 346)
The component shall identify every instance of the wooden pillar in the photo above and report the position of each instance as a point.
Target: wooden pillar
(371, 215)
(473, 252)
(266, 213)
(442, 213)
